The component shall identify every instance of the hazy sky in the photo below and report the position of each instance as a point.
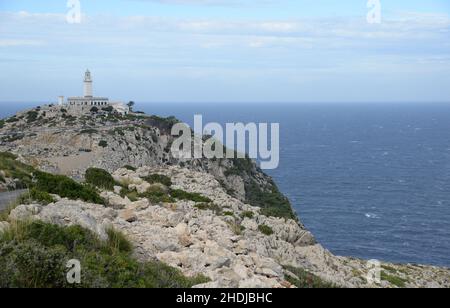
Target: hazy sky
(227, 50)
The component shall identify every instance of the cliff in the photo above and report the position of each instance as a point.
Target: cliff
(224, 219)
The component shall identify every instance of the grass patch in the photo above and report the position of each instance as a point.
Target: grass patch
(100, 178)
(34, 255)
(158, 178)
(395, 280)
(266, 230)
(306, 280)
(184, 195)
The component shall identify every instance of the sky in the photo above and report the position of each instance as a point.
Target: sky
(227, 50)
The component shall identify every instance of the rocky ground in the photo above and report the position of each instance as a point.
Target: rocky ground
(225, 244)
(232, 240)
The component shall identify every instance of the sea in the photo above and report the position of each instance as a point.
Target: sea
(368, 180)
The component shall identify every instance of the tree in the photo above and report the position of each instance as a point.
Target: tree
(94, 109)
(130, 105)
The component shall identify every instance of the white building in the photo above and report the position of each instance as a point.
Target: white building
(81, 104)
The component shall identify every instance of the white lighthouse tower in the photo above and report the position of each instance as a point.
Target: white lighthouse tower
(87, 84)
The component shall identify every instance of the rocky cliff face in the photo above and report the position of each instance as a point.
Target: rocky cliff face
(224, 219)
(54, 141)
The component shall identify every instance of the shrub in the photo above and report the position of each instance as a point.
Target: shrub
(128, 167)
(306, 280)
(247, 214)
(156, 194)
(183, 195)
(88, 131)
(158, 178)
(228, 213)
(66, 188)
(266, 230)
(209, 206)
(236, 227)
(103, 144)
(41, 196)
(100, 178)
(270, 200)
(34, 255)
(131, 194)
(32, 116)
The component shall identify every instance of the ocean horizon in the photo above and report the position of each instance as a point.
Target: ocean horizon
(368, 180)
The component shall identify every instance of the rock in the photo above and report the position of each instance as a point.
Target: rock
(4, 226)
(250, 224)
(25, 211)
(140, 188)
(128, 215)
(117, 190)
(115, 201)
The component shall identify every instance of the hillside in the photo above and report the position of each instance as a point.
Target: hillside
(220, 223)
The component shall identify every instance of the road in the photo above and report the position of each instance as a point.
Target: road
(6, 198)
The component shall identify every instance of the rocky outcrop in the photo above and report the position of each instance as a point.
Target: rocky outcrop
(225, 244)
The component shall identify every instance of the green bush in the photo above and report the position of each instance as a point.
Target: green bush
(34, 255)
(266, 230)
(156, 194)
(247, 214)
(128, 167)
(131, 194)
(32, 116)
(39, 196)
(66, 188)
(209, 206)
(158, 178)
(270, 200)
(183, 195)
(100, 178)
(103, 144)
(305, 280)
(2, 124)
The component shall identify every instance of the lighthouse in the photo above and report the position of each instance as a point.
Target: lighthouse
(87, 84)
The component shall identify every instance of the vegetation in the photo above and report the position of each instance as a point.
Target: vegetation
(32, 116)
(35, 254)
(100, 178)
(2, 124)
(271, 201)
(66, 188)
(131, 194)
(306, 280)
(158, 178)
(88, 131)
(209, 206)
(16, 170)
(236, 227)
(183, 195)
(247, 214)
(157, 194)
(103, 144)
(128, 167)
(36, 195)
(266, 230)
(395, 280)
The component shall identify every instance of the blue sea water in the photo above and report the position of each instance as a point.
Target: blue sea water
(369, 180)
